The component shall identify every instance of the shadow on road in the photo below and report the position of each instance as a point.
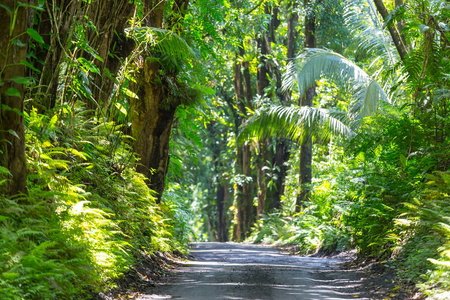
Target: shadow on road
(242, 271)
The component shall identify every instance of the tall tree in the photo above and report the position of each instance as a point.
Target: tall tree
(244, 202)
(13, 54)
(261, 85)
(307, 100)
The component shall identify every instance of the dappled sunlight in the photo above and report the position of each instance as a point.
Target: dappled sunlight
(239, 271)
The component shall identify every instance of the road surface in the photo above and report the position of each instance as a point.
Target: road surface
(242, 271)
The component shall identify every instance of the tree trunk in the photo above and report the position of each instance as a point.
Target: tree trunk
(153, 113)
(57, 17)
(244, 201)
(395, 34)
(246, 206)
(12, 134)
(262, 178)
(110, 19)
(306, 147)
(151, 127)
(305, 159)
(282, 145)
(108, 40)
(291, 30)
(262, 83)
(219, 183)
(281, 157)
(222, 229)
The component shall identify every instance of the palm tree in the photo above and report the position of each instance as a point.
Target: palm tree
(299, 123)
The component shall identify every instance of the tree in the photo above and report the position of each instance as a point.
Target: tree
(303, 123)
(99, 47)
(13, 55)
(307, 100)
(159, 94)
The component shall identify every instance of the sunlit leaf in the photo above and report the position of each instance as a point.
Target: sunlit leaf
(129, 93)
(121, 108)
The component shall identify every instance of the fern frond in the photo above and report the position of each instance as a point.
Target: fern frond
(164, 41)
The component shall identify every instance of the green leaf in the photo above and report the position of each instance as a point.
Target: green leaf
(296, 123)
(10, 276)
(130, 93)
(14, 133)
(40, 8)
(21, 80)
(35, 35)
(4, 170)
(423, 28)
(29, 65)
(204, 89)
(121, 108)
(18, 43)
(314, 64)
(88, 65)
(8, 9)
(440, 263)
(13, 92)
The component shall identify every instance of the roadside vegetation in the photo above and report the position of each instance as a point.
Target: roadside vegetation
(130, 128)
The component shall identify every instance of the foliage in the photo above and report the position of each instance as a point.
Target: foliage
(380, 130)
(314, 64)
(88, 215)
(425, 221)
(320, 225)
(296, 123)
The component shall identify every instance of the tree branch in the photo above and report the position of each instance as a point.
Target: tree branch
(255, 7)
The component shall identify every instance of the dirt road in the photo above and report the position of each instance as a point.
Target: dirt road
(240, 271)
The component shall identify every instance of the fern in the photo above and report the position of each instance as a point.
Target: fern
(164, 41)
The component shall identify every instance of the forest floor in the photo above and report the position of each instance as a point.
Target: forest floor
(243, 271)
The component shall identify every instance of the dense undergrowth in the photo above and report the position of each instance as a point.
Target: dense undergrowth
(88, 215)
(374, 195)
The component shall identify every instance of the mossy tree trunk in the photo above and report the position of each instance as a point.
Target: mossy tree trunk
(152, 114)
(13, 50)
(151, 126)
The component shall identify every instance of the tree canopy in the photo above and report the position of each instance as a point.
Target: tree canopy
(130, 128)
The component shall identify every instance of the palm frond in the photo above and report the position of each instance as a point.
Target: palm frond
(296, 123)
(362, 20)
(314, 64)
